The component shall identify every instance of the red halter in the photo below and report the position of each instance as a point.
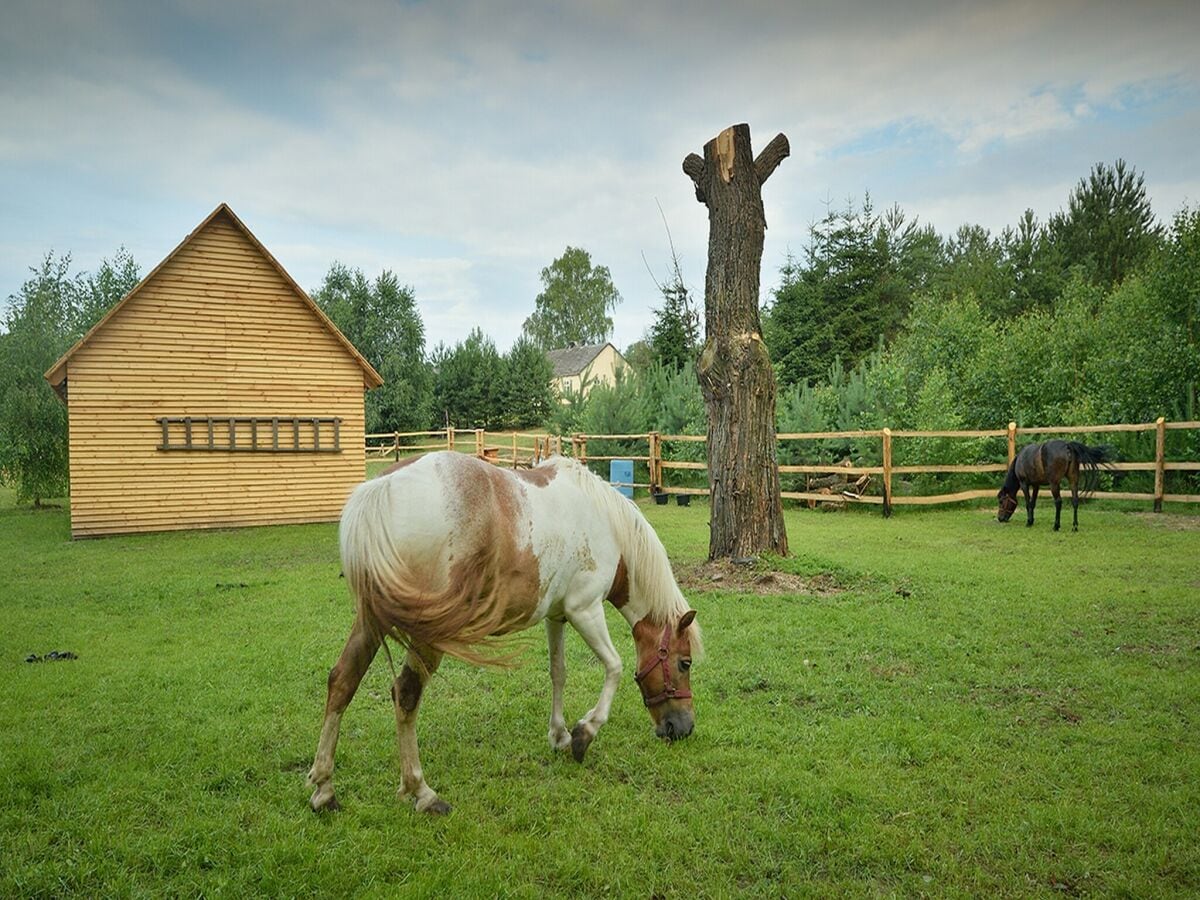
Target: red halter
(669, 691)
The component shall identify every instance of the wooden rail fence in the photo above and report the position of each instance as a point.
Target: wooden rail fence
(509, 448)
(518, 449)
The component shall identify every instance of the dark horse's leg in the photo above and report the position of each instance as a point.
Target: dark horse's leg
(344, 678)
(1073, 476)
(1054, 489)
(1030, 501)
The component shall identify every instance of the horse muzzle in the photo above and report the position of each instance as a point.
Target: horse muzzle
(676, 724)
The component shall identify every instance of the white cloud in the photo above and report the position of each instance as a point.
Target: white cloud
(464, 145)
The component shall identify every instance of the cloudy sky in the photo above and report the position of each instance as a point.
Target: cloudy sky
(465, 145)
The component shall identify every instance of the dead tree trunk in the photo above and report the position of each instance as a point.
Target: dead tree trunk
(734, 370)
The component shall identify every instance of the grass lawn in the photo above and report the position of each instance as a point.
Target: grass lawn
(980, 710)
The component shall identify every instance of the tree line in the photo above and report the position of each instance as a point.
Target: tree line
(1086, 318)
(1089, 316)
(469, 384)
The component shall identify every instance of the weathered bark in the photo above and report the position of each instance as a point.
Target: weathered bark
(734, 370)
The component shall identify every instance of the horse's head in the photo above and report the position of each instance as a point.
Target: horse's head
(1008, 505)
(664, 673)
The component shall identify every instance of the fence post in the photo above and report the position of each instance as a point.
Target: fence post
(583, 449)
(887, 472)
(396, 446)
(655, 461)
(514, 449)
(1160, 441)
(1012, 442)
(479, 442)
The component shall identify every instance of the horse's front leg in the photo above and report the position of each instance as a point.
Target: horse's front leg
(1031, 492)
(592, 627)
(344, 678)
(406, 696)
(560, 738)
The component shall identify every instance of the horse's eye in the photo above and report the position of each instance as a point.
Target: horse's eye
(684, 665)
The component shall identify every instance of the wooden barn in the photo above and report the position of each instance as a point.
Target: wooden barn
(214, 394)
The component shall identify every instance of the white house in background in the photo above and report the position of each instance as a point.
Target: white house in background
(579, 366)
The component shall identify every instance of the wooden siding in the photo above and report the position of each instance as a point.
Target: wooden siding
(217, 331)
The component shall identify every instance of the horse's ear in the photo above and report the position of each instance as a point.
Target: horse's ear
(688, 618)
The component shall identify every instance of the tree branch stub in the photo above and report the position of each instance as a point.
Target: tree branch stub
(693, 168)
(771, 156)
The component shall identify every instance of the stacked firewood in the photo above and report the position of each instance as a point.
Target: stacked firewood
(837, 486)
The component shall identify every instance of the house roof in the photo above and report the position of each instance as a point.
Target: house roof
(57, 373)
(573, 360)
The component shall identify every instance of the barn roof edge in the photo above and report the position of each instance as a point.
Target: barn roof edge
(57, 373)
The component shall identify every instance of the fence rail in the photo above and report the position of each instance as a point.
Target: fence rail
(511, 448)
(517, 449)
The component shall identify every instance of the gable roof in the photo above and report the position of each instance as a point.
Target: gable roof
(573, 360)
(57, 373)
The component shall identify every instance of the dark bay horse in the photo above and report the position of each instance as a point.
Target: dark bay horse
(1049, 463)
(447, 552)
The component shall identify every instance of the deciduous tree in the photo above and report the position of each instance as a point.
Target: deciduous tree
(381, 319)
(574, 304)
(49, 313)
(467, 382)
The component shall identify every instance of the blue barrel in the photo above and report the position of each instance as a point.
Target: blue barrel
(620, 471)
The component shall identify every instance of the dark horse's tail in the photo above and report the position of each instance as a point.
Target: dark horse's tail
(1092, 460)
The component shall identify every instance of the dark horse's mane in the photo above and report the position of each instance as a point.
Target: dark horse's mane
(1012, 483)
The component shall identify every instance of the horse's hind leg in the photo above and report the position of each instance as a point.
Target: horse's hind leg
(560, 738)
(344, 678)
(1054, 489)
(406, 694)
(1075, 500)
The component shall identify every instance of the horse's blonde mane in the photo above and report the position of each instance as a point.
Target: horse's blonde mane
(650, 576)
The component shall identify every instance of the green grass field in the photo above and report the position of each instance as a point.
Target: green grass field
(979, 710)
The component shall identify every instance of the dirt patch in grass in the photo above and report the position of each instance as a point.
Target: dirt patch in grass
(1170, 521)
(725, 575)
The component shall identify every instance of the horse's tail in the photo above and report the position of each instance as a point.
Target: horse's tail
(1092, 460)
(457, 618)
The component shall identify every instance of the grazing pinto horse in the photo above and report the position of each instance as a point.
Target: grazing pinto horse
(445, 552)
(1049, 463)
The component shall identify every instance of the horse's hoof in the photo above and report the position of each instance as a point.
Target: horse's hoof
(580, 740)
(438, 807)
(322, 806)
